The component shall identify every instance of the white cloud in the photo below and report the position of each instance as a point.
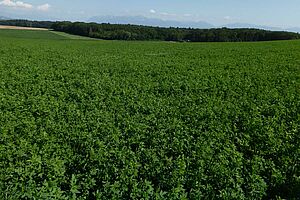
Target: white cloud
(187, 15)
(227, 18)
(16, 4)
(44, 7)
(168, 14)
(152, 11)
(23, 5)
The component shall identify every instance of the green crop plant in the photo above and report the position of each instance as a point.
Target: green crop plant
(148, 120)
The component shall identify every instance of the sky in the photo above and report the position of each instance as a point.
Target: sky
(276, 13)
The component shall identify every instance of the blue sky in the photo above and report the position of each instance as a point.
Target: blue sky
(263, 12)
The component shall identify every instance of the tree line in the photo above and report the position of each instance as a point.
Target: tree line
(138, 32)
(27, 23)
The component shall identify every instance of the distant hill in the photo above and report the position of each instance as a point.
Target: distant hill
(4, 18)
(294, 29)
(271, 28)
(246, 25)
(139, 32)
(140, 20)
(145, 21)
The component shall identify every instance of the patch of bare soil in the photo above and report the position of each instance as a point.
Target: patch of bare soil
(21, 28)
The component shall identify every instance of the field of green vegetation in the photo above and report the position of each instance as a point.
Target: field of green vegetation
(87, 119)
(27, 34)
(70, 36)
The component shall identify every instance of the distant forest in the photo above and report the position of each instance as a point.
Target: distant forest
(138, 32)
(27, 23)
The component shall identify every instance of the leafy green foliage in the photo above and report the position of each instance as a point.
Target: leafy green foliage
(149, 120)
(27, 23)
(135, 32)
(138, 32)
